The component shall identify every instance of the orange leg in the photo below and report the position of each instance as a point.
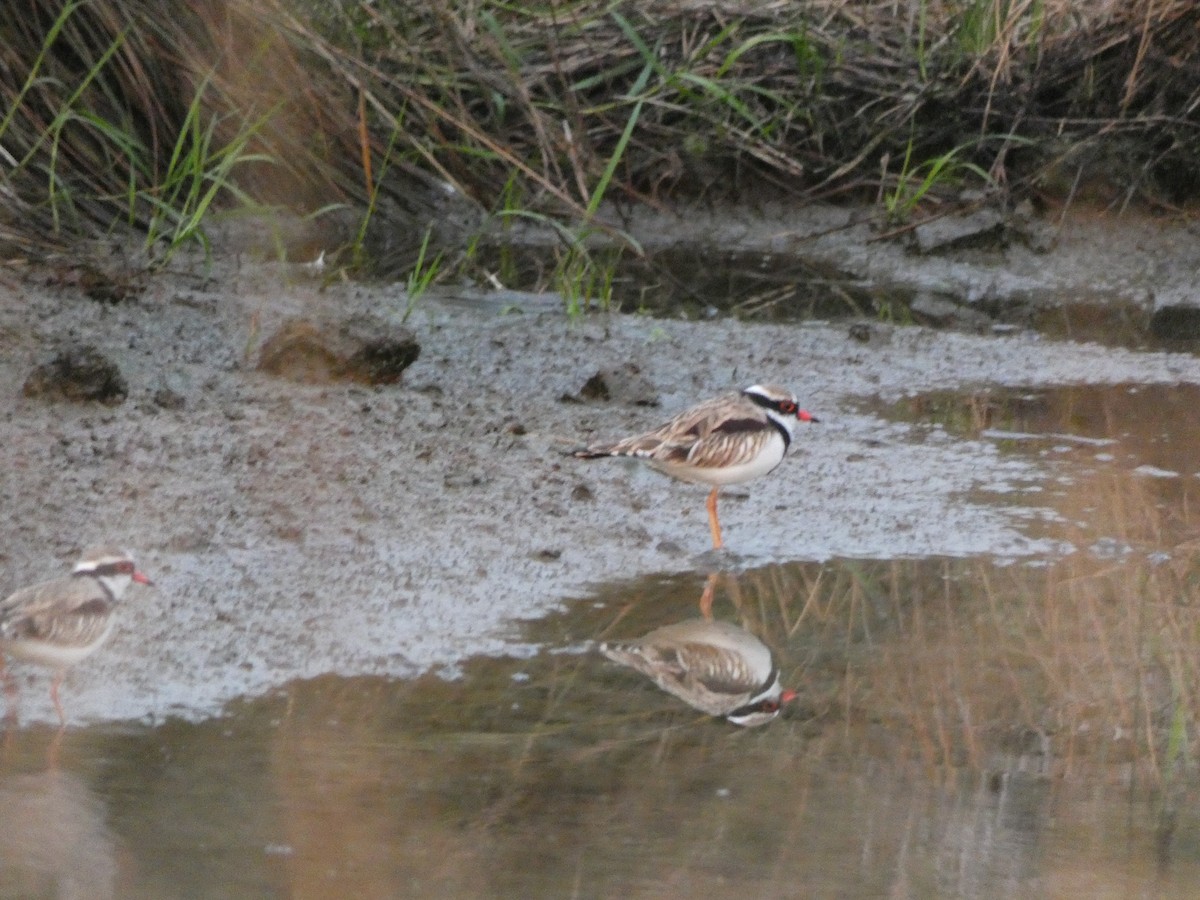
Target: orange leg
(52, 751)
(706, 599)
(62, 718)
(10, 693)
(713, 525)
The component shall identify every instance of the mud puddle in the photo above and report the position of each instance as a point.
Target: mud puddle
(1121, 460)
(964, 727)
(693, 282)
(703, 281)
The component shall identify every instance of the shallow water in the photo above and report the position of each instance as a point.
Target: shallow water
(966, 727)
(926, 756)
(704, 281)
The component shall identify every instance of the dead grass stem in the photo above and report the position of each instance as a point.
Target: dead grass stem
(585, 100)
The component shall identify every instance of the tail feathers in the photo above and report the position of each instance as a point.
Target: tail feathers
(592, 452)
(646, 659)
(615, 450)
(620, 652)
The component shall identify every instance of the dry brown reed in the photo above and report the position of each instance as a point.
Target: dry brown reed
(1083, 665)
(551, 107)
(1084, 662)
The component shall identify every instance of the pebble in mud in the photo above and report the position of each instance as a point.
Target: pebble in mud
(362, 348)
(78, 373)
(623, 384)
(942, 312)
(170, 393)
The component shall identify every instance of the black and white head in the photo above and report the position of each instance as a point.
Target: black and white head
(780, 405)
(113, 568)
(763, 707)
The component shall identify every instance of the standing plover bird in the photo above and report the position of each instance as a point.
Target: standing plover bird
(726, 440)
(716, 667)
(58, 623)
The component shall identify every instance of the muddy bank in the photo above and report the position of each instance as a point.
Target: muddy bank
(295, 529)
(980, 270)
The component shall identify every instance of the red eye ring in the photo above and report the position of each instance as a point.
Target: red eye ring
(787, 406)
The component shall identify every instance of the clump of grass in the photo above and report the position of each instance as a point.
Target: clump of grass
(197, 173)
(586, 105)
(120, 116)
(917, 180)
(421, 276)
(585, 278)
(809, 98)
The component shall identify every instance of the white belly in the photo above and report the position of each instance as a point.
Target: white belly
(771, 455)
(58, 656)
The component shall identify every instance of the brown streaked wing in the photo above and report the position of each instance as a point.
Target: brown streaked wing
(717, 671)
(65, 606)
(36, 598)
(729, 447)
(79, 627)
(647, 658)
(675, 440)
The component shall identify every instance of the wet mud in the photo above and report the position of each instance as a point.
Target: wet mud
(369, 664)
(297, 530)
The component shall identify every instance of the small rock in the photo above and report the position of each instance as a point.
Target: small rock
(582, 493)
(595, 388)
(621, 384)
(461, 480)
(78, 373)
(384, 350)
(1038, 235)
(110, 287)
(167, 398)
(169, 393)
(1176, 316)
(982, 226)
(363, 348)
(860, 331)
(299, 351)
(930, 309)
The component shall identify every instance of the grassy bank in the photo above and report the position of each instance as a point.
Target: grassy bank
(120, 117)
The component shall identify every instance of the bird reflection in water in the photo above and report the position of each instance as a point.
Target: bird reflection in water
(714, 666)
(56, 841)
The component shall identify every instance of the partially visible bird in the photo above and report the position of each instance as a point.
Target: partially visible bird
(58, 623)
(716, 667)
(727, 440)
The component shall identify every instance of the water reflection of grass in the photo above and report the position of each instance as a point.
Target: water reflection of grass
(562, 769)
(1087, 658)
(948, 704)
(957, 662)
(940, 691)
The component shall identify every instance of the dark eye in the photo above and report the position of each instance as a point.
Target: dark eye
(769, 706)
(124, 567)
(787, 406)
